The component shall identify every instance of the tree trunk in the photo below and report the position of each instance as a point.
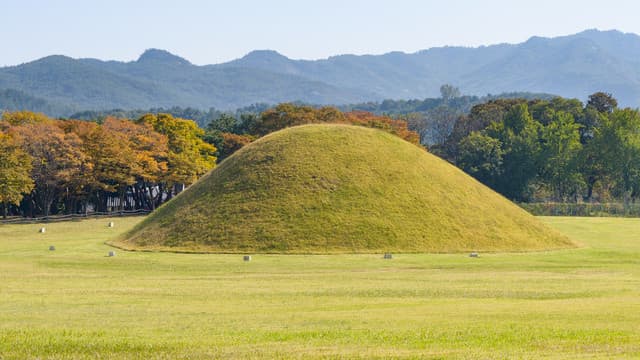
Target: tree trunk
(121, 195)
(590, 183)
(152, 203)
(47, 205)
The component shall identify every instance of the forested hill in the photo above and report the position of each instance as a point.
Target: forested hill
(158, 79)
(570, 66)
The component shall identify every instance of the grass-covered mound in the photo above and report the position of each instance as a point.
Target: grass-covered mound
(337, 188)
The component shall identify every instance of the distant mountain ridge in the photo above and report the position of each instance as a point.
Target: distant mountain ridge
(160, 79)
(571, 66)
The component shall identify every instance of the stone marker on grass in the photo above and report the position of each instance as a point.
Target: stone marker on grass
(246, 258)
(42, 230)
(52, 248)
(388, 256)
(473, 254)
(110, 223)
(112, 253)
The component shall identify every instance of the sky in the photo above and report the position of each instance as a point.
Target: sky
(210, 32)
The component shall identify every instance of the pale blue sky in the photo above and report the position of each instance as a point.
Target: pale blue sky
(207, 32)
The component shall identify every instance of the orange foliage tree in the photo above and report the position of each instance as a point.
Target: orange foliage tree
(149, 151)
(75, 166)
(232, 143)
(58, 162)
(286, 115)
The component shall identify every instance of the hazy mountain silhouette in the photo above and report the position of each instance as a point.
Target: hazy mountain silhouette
(570, 66)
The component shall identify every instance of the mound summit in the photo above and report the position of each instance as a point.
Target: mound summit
(338, 189)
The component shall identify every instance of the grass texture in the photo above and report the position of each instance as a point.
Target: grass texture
(77, 303)
(339, 189)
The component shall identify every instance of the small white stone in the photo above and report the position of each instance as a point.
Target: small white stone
(473, 254)
(110, 223)
(112, 253)
(43, 230)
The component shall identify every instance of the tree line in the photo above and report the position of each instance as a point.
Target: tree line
(69, 166)
(450, 103)
(201, 117)
(550, 150)
(61, 166)
(528, 149)
(532, 150)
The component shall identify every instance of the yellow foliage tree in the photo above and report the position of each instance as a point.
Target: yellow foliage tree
(24, 117)
(189, 155)
(15, 168)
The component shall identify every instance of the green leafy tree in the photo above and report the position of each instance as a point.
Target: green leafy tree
(223, 123)
(560, 156)
(617, 141)
(544, 110)
(602, 102)
(595, 113)
(478, 119)
(247, 122)
(481, 157)
(519, 135)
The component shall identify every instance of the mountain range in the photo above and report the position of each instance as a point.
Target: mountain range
(571, 66)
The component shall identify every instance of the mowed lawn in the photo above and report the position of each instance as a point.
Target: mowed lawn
(75, 302)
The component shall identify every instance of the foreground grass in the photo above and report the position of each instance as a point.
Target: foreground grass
(77, 303)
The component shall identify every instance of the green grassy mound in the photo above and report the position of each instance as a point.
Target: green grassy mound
(338, 189)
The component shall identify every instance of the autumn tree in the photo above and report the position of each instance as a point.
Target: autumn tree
(15, 169)
(148, 150)
(58, 161)
(189, 156)
(16, 118)
(282, 116)
(286, 115)
(232, 143)
(399, 128)
(111, 163)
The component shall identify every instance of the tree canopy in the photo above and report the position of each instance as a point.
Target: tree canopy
(558, 149)
(67, 166)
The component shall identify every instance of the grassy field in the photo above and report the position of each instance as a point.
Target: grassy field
(77, 303)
